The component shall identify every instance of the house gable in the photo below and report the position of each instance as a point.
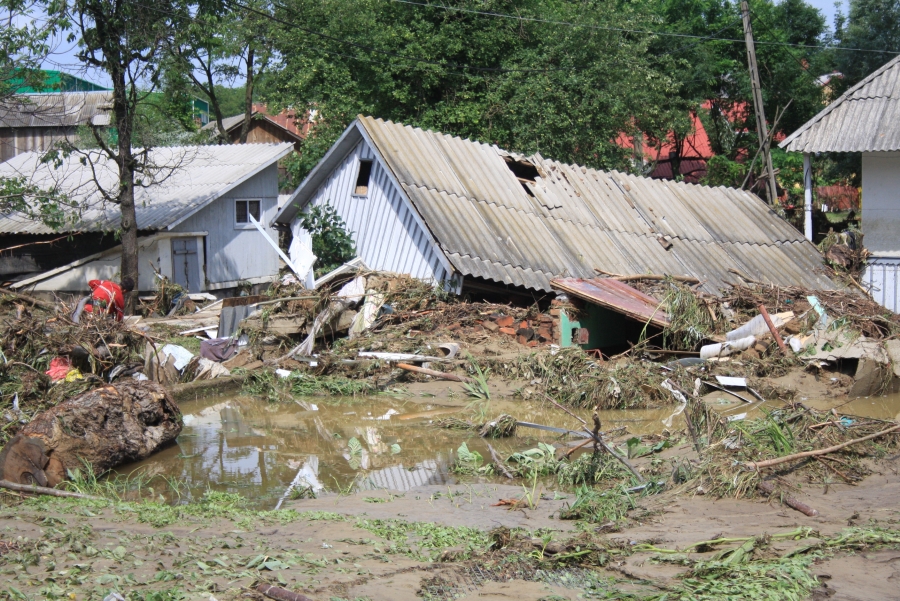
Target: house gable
(382, 222)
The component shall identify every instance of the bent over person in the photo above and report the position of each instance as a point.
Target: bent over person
(109, 297)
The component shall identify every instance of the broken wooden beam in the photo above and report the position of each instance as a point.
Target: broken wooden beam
(435, 374)
(768, 489)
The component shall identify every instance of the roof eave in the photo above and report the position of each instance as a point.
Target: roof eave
(304, 192)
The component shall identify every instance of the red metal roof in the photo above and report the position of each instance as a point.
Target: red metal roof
(617, 296)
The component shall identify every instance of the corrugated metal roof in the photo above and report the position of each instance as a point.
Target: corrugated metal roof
(866, 118)
(188, 178)
(615, 295)
(64, 109)
(572, 219)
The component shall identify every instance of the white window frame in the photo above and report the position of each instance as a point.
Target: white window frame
(246, 225)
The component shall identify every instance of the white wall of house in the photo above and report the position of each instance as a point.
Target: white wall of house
(386, 233)
(881, 202)
(234, 252)
(881, 225)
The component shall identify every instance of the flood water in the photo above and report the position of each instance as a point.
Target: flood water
(249, 446)
(258, 449)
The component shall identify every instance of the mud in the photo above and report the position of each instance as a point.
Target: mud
(248, 446)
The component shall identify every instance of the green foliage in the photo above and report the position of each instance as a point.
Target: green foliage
(870, 24)
(537, 461)
(48, 206)
(470, 462)
(594, 506)
(331, 243)
(478, 389)
(563, 91)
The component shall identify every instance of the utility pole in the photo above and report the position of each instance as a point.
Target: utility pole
(762, 130)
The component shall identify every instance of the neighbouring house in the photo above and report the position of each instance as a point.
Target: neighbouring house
(35, 122)
(264, 128)
(479, 218)
(865, 119)
(194, 219)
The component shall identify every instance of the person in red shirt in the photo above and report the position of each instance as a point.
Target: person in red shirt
(109, 297)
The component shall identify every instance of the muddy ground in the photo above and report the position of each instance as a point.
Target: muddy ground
(354, 548)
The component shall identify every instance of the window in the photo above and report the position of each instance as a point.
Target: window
(243, 209)
(362, 178)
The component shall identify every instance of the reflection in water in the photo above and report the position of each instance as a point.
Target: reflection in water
(264, 450)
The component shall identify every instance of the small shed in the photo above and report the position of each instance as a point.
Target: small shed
(477, 217)
(865, 119)
(193, 213)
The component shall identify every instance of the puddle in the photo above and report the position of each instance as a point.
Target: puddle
(249, 446)
(876, 407)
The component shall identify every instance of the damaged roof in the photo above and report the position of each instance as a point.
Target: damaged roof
(523, 221)
(184, 180)
(866, 118)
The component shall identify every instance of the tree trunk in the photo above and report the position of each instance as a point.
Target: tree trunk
(125, 194)
(248, 97)
(101, 428)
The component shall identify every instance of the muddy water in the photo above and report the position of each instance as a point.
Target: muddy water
(880, 407)
(258, 449)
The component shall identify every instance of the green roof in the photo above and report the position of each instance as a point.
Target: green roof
(57, 81)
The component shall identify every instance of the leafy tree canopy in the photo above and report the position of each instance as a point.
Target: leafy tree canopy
(563, 91)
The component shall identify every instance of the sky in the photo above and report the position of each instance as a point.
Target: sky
(63, 59)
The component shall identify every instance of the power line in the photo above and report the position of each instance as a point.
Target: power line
(626, 30)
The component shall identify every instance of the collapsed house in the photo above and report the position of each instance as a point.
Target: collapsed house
(865, 119)
(487, 221)
(195, 216)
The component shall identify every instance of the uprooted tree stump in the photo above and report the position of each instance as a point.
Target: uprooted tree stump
(101, 428)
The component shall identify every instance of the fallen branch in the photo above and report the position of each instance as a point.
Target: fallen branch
(768, 489)
(435, 374)
(755, 465)
(600, 441)
(648, 276)
(775, 334)
(36, 302)
(281, 594)
(499, 463)
(43, 490)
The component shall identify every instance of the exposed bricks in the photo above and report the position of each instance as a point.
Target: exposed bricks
(505, 322)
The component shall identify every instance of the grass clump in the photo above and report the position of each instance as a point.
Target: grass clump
(275, 389)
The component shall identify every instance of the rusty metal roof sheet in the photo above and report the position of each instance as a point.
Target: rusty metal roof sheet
(615, 295)
(567, 219)
(866, 118)
(63, 109)
(187, 179)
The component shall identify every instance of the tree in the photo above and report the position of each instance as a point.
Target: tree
(871, 25)
(224, 47)
(125, 39)
(566, 92)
